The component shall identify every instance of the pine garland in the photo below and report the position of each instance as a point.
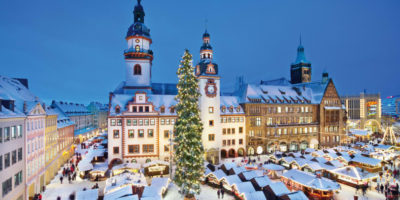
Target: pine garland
(189, 151)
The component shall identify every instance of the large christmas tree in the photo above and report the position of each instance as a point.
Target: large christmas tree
(189, 152)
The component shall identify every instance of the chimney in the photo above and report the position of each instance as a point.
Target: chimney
(25, 108)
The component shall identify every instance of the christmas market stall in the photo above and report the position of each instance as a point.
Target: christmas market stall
(236, 170)
(214, 178)
(314, 186)
(88, 194)
(239, 189)
(248, 175)
(369, 164)
(98, 173)
(136, 182)
(352, 176)
(123, 192)
(229, 181)
(275, 190)
(160, 185)
(84, 168)
(273, 170)
(298, 195)
(156, 168)
(260, 182)
(258, 195)
(125, 167)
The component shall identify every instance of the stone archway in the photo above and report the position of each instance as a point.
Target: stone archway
(303, 145)
(212, 156)
(231, 153)
(115, 161)
(294, 146)
(224, 154)
(241, 152)
(250, 151)
(283, 147)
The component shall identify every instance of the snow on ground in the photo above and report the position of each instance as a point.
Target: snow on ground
(207, 193)
(348, 193)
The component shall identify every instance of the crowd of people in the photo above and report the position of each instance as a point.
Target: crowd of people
(69, 172)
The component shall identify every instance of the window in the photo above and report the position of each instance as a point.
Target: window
(19, 154)
(141, 133)
(13, 132)
(258, 121)
(140, 108)
(133, 148)
(279, 110)
(146, 122)
(240, 129)
(18, 178)
(7, 186)
(14, 156)
(148, 148)
(6, 160)
(211, 137)
(6, 134)
(1, 135)
(116, 150)
(146, 109)
(233, 142)
(134, 122)
(131, 133)
(166, 148)
(162, 121)
(229, 142)
(166, 134)
(1, 162)
(240, 141)
(119, 122)
(116, 133)
(229, 131)
(113, 122)
(152, 121)
(134, 109)
(224, 131)
(223, 142)
(140, 122)
(150, 133)
(210, 109)
(137, 48)
(251, 133)
(172, 121)
(128, 122)
(269, 121)
(233, 130)
(167, 121)
(211, 122)
(137, 70)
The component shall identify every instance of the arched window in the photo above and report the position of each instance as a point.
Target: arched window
(137, 48)
(137, 70)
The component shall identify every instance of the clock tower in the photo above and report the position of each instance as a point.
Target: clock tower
(300, 70)
(209, 83)
(138, 55)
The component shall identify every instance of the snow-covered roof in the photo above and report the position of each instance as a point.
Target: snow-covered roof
(298, 195)
(262, 181)
(155, 162)
(244, 187)
(85, 166)
(359, 132)
(249, 175)
(232, 179)
(87, 194)
(238, 170)
(127, 166)
(150, 192)
(71, 109)
(366, 160)
(309, 150)
(384, 147)
(229, 165)
(354, 172)
(279, 188)
(311, 180)
(230, 102)
(118, 193)
(13, 89)
(160, 184)
(219, 174)
(124, 179)
(258, 195)
(274, 167)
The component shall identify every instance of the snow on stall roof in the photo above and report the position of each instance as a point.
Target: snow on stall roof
(130, 197)
(279, 188)
(262, 181)
(155, 162)
(127, 166)
(354, 172)
(219, 174)
(249, 174)
(124, 179)
(160, 184)
(85, 166)
(118, 192)
(87, 194)
(258, 195)
(151, 192)
(229, 165)
(311, 180)
(309, 150)
(238, 170)
(274, 167)
(366, 160)
(298, 195)
(359, 132)
(101, 167)
(232, 179)
(244, 187)
(383, 146)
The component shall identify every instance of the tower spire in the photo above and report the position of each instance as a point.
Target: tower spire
(300, 39)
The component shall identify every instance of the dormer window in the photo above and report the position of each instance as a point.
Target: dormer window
(162, 109)
(231, 109)
(172, 109)
(210, 69)
(117, 109)
(223, 108)
(238, 109)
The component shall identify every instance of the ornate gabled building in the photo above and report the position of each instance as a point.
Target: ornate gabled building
(142, 114)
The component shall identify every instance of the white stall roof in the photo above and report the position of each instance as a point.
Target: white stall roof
(87, 194)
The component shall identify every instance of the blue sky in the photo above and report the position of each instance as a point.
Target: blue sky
(72, 50)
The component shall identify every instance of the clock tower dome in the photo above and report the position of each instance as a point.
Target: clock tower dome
(209, 83)
(138, 55)
(300, 70)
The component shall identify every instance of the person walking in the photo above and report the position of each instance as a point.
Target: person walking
(382, 188)
(69, 179)
(61, 179)
(222, 193)
(218, 193)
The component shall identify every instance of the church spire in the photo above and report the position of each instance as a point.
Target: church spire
(138, 12)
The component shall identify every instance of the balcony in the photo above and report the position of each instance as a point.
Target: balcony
(131, 53)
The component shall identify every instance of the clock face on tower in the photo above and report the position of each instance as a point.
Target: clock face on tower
(211, 88)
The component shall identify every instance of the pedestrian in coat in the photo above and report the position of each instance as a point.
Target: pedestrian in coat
(61, 179)
(382, 188)
(69, 178)
(218, 193)
(222, 193)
